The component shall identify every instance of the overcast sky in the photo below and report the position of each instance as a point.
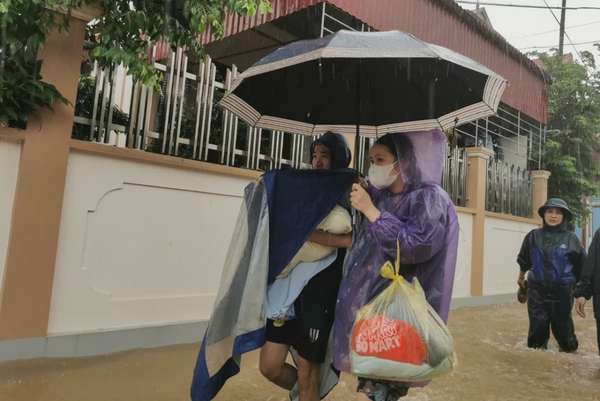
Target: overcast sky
(525, 28)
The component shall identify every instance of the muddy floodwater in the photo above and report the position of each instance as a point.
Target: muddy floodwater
(494, 365)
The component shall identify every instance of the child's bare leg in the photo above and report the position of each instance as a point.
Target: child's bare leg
(308, 379)
(273, 366)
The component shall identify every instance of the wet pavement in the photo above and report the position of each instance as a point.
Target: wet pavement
(494, 365)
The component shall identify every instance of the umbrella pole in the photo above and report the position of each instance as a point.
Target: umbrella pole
(357, 146)
(357, 137)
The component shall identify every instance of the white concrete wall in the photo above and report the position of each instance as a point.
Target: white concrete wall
(462, 276)
(10, 154)
(503, 240)
(140, 244)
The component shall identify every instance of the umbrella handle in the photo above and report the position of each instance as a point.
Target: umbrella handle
(362, 181)
(358, 122)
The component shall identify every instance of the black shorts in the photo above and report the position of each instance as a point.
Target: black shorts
(311, 344)
(314, 309)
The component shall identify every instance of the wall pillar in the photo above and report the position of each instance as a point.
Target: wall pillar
(476, 189)
(26, 292)
(539, 189)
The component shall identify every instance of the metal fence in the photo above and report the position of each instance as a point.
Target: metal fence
(181, 120)
(513, 137)
(454, 180)
(508, 189)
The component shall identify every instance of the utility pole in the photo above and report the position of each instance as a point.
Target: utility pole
(561, 38)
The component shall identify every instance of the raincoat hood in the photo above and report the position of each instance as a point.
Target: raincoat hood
(420, 154)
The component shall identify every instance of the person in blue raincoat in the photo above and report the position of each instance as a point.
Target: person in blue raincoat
(550, 262)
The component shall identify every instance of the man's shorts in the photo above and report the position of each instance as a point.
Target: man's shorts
(310, 343)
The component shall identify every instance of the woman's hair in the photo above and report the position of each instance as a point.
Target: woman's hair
(402, 148)
(388, 142)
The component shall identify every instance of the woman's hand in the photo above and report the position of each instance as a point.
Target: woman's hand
(580, 306)
(361, 201)
(521, 280)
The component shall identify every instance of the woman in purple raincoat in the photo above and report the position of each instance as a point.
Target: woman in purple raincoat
(404, 202)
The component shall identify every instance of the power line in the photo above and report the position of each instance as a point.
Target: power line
(551, 46)
(524, 5)
(553, 30)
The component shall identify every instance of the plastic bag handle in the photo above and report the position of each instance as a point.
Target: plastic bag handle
(390, 271)
(397, 265)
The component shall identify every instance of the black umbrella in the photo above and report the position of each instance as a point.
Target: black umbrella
(375, 82)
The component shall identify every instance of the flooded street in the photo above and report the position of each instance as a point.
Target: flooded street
(494, 365)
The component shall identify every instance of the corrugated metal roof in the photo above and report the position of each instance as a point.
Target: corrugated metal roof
(280, 8)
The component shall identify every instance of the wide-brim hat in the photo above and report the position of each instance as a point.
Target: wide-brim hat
(556, 203)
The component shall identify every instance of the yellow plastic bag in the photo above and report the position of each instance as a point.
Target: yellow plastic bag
(398, 336)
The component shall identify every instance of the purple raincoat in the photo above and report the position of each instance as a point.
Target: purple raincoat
(423, 218)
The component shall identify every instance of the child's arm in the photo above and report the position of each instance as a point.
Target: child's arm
(331, 240)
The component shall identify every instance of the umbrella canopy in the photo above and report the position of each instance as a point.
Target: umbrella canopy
(382, 82)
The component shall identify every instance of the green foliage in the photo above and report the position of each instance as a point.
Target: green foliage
(574, 127)
(122, 35)
(24, 27)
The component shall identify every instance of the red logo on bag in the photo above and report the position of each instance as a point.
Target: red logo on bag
(385, 338)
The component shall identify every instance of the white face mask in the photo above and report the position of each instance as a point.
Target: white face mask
(382, 176)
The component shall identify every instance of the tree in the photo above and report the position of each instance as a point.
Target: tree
(574, 128)
(121, 35)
